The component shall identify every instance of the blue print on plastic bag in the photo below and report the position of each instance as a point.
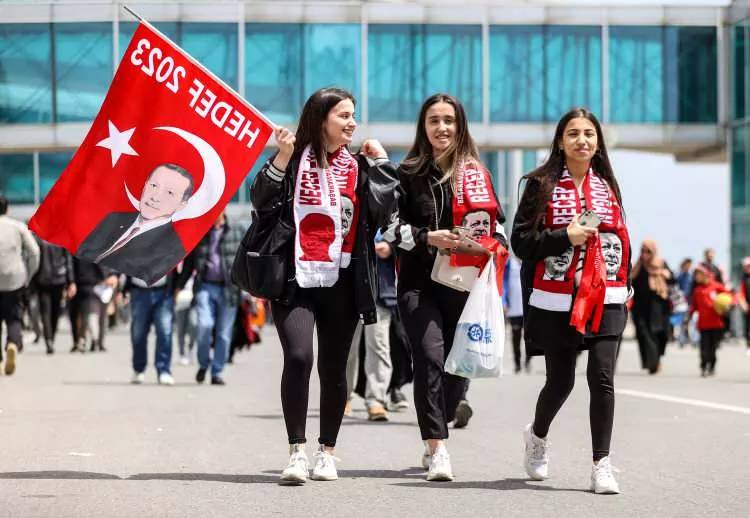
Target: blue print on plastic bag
(478, 334)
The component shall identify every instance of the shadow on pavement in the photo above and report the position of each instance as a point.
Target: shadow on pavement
(57, 475)
(408, 473)
(207, 477)
(105, 383)
(507, 484)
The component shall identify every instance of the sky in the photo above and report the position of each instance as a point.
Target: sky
(683, 206)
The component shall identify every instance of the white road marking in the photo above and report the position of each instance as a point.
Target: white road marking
(684, 401)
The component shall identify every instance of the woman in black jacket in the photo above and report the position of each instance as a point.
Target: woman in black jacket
(337, 203)
(570, 234)
(443, 185)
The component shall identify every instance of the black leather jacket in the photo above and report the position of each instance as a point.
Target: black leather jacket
(376, 185)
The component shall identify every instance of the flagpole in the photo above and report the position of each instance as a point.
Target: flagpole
(198, 64)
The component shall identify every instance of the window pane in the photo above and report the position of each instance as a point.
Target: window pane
(214, 45)
(693, 77)
(636, 74)
(739, 166)
(739, 59)
(516, 73)
(273, 68)
(332, 57)
(25, 73)
(83, 68)
(395, 59)
(17, 178)
(572, 63)
(170, 29)
(530, 161)
(51, 166)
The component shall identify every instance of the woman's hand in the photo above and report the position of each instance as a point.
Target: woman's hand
(285, 142)
(442, 239)
(373, 149)
(578, 234)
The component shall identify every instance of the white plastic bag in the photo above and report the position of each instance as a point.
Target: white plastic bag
(479, 342)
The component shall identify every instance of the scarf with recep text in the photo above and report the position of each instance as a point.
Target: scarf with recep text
(602, 280)
(325, 200)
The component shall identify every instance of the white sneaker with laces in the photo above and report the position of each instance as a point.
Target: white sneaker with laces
(602, 480)
(536, 460)
(138, 378)
(440, 465)
(166, 378)
(325, 466)
(426, 457)
(297, 469)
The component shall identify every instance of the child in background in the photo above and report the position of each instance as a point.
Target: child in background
(711, 307)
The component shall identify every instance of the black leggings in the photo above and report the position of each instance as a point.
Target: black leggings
(50, 298)
(430, 317)
(333, 313)
(516, 326)
(561, 365)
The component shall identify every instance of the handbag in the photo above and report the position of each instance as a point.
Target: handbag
(262, 260)
(459, 278)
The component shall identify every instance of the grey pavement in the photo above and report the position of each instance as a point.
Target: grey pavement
(79, 440)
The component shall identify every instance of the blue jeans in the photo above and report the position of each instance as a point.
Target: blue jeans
(151, 305)
(214, 311)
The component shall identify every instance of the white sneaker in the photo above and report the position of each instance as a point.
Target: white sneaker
(297, 469)
(602, 480)
(440, 465)
(184, 360)
(138, 378)
(426, 457)
(535, 458)
(325, 466)
(166, 378)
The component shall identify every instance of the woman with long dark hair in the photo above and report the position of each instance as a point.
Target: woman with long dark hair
(337, 201)
(443, 185)
(570, 234)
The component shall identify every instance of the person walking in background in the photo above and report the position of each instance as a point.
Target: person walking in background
(684, 282)
(152, 305)
(401, 356)
(513, 300)
(440, 164)
(711, 309)
(216, 297)
(650, 278)
(19, 260)
(53, 281)
(186, 320)
(92, 281)
(709, 255)
(573, 201)
(743, 293)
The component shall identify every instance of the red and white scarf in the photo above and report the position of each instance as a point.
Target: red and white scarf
(322, 246)
(474, 208)
(602, 281)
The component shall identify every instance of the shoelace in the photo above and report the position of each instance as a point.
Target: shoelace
(325, 458)
(299, 457)
(539, 450)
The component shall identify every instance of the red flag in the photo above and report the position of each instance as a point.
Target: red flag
(167, 151)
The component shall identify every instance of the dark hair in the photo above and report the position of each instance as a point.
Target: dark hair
(183, 172)
(463, 145)
(3, 204)
(314, 113)
(542, 180)
(685, 262)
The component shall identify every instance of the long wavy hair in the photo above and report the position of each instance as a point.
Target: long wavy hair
(314, 114)
(542, 180)
(462, 147)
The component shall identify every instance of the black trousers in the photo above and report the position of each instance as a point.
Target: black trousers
(516, 326)
(651, 343)
(400, 354)
(430, 316)
(333, 313)
(710, 340)
(80, 307)
(11, 312)
(560, 360)
(50, 298)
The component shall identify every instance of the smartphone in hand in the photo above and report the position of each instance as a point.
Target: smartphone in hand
(589, 218)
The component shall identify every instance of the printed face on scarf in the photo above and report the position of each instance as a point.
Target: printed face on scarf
(339, 125)
(612, 252)
(440, 125)
(347, 215)
(579, 141)
(556, 266)
(478, 223)
(165, 192)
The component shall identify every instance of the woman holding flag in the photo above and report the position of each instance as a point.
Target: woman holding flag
(570, 233)
(336, 201)
(443, 186)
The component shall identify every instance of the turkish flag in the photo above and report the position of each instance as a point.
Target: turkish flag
(167, 151)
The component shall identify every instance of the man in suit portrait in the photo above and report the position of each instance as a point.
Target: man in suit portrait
(143, 244)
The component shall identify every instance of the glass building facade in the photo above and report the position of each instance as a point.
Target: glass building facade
(739, 142)
(504, 74)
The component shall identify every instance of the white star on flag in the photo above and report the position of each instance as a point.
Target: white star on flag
(117, 143)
